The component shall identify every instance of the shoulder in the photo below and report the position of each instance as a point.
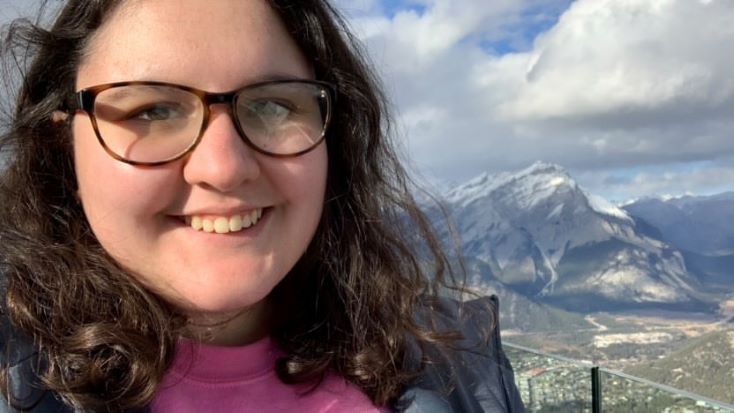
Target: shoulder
(475, 376)
(20, 362)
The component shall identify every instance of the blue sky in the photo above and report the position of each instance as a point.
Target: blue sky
(634, 97)
(521, 32)
(393, 7)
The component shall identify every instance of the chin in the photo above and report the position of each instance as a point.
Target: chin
(218, 301)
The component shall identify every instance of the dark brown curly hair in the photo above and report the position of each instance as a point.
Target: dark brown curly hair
(107, 341)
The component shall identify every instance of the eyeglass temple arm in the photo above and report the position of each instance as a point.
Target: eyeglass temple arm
(83, 100)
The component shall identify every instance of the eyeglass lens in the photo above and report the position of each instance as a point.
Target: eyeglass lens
(153, 123)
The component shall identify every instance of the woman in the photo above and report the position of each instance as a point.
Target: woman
(200, 195)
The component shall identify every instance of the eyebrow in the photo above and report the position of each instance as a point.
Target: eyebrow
(122, 93)
(268, 77)
(274, 77)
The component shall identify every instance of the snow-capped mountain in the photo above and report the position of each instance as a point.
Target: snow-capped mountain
(702, 227)
(544, 236)
(700, 224)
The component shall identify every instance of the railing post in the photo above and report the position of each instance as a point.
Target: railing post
(595, 390)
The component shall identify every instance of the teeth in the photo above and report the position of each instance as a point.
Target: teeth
(235, 223)
(223, 225)
(246, 221)
(196, 223)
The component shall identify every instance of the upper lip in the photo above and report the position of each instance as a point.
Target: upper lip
(220, 211)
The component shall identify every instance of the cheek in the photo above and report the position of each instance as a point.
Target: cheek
(117, 197)
(92, 170)
(306, 181)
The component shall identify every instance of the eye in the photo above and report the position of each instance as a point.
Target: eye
(157, 112)
(269, 108)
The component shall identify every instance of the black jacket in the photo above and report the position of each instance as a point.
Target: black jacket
(478, 378)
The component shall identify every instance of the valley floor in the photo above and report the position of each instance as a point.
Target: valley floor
(692, 352)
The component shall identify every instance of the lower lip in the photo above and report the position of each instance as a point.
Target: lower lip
(250, 232)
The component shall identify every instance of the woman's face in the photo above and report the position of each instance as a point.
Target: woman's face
(138, 213)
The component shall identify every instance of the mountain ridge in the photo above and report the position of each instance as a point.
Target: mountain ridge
(546, 237)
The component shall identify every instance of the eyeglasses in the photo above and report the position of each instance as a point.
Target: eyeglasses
(151, 123)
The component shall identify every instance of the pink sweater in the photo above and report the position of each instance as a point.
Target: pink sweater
(206, 378)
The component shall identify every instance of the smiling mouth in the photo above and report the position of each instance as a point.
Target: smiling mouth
(224, 224)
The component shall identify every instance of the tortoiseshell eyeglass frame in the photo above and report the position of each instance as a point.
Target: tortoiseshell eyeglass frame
(85, 98)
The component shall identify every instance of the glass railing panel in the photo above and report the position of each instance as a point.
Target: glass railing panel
(550, 384)
(624, 394)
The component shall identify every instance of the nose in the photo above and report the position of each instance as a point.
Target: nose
(221, 160)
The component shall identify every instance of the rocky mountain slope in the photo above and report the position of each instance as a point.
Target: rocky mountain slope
(543, 236)
(699, 224)
(702, 227)
(521, 313)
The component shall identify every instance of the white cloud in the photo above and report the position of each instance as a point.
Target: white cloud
(610, 56)
(704, 179)
(410, 40)
(614, 84)
(355, 8)
(10, 9)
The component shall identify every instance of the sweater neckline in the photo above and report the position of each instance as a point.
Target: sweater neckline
(211, 363)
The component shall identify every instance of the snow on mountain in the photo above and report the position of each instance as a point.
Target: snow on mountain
(544, 236)
(603, 206)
